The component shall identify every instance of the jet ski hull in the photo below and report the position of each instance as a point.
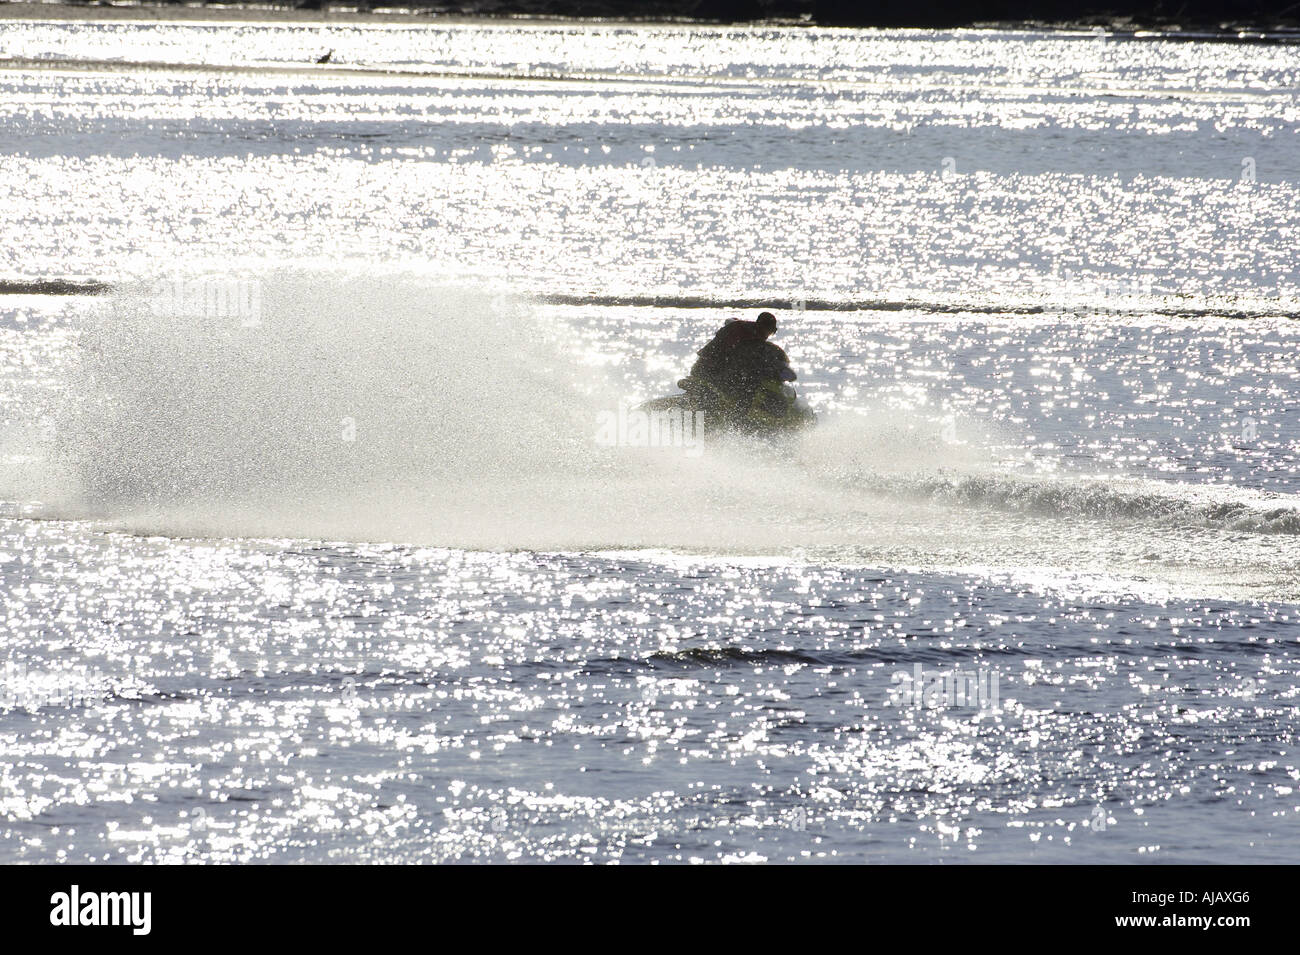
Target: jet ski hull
(774, 410)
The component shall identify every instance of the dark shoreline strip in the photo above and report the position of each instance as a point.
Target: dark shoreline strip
(812, 305)
(1226, 18)
(92, 287)
(885, 305)
(52, 287)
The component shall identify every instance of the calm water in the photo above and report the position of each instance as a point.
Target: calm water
(344, 573)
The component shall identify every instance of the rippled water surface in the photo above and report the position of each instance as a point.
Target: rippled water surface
(353, 579)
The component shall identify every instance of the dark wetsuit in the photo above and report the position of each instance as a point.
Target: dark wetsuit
(738, 361)
(717, 353)
(754, 363)
(724, 359)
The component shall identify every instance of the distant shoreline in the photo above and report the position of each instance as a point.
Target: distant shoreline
(668, 12)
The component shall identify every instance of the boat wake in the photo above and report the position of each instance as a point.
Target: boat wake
(1093, 499)
(396, 409)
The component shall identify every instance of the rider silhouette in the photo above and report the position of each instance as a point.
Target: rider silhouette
(740, 356)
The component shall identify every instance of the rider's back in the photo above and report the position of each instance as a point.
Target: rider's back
(760, 361)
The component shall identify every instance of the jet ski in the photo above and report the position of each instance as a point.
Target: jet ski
(763, 405)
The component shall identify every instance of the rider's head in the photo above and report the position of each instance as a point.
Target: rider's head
(766, 324)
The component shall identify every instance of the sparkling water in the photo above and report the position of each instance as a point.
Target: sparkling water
(310, 552)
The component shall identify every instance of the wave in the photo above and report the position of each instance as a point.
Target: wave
(732, 656)
(1084, 499)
